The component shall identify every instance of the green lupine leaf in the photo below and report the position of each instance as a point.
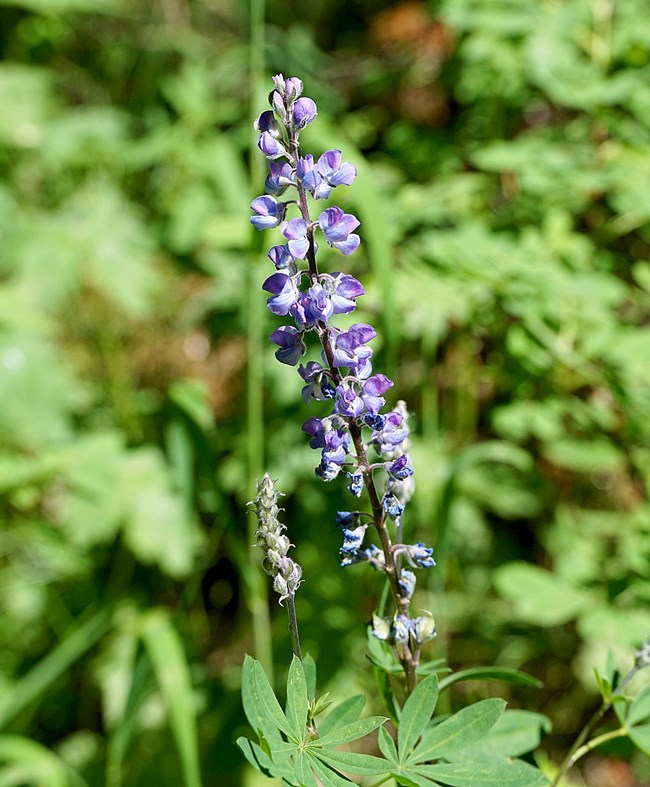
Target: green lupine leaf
(473, 774)
(513, 734)
(387, 746)
(304, 773)
(640, 708)
(506, 674)
(297, 701)
(344, 713)
(640, 737)
(462, 729)
(351, 732)
(416, 713)
(253, 706)
(350, 761)
(266, 706)
(409, 778)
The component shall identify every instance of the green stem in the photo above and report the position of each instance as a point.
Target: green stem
(594, 742)
(293, 627)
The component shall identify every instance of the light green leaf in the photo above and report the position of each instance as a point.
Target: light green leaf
(416, 713)
(505, 674)
(309, 668)
(640, 737)
(327, 776)
(304, 772)
(297, 700)
(472, 774)
(539, 596)
(640, 709)
(459, 731)
(350, 732)
(269, 704)
(517, 732)
(344, 713)
(254, 707)
(352, 762)
(264, 764)
(165, 650)
(387, 746)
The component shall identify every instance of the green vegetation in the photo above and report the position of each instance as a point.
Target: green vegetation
(503, 150)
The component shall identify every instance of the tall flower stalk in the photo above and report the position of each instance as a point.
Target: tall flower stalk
(359, 437)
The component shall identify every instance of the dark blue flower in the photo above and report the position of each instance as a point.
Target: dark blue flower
(391, 505)
(355, 486)
(407, 582)
(347, 519)
(418, 555)
(400, 468)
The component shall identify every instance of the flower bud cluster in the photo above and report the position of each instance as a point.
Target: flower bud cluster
(270, 537)
(343, 374)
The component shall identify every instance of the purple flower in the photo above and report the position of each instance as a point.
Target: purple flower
(291, 87)
(350, 349)
(271, 147)
(295, 231)
(304, 111)
(391, 435)
(308, 176)
(348, 402)
(333, 171)
(336, 446)
(319, 305)
(312, 374)
(316, 428)
(371, 392)
(290, 344)
(267, 122)
(284, 293)
(279, 177)
(338, 227)
(270, 212)
(345, 289)
(280, 256)
(400, 468)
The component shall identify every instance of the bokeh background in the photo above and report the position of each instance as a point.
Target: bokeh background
(503, 150)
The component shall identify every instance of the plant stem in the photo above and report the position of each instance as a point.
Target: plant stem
(293, 627)
(408, 658)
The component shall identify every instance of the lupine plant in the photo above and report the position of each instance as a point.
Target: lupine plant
(367, 443)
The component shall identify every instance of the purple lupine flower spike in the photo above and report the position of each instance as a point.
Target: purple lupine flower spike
(344, 374)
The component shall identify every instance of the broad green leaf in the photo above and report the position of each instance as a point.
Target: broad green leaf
(297, 700)
(344, 713)
(165, 649)
(640, 709)
(640, 737)
(416, 713)
(473, 774)
(505, 674)
(350, 732)
(354, 763)
(539, 596)
(387, 746)
(459, 731)
(515, 733)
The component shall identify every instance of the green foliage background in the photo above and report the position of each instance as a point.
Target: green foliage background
(503, 150)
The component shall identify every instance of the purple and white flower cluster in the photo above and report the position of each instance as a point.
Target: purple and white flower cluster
(343, 373)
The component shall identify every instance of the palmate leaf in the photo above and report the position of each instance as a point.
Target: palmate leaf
(265, 711)
(328, 776)
(462, 729)
(387, 746)
(515, 733)
(416, 713)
